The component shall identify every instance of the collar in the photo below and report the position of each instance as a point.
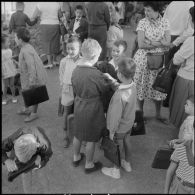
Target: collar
(76, 58)
(78, 19)
(123, 86)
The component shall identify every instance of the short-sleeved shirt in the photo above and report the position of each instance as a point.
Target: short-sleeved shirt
(185, 159)
(154, 30)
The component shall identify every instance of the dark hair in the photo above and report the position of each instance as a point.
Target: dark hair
(191, 98)
(191, 10)
(73, 39)
(126, 66)
(155, 5)
(121, 42)
(24, 34)
(80, 7)
(3, 38)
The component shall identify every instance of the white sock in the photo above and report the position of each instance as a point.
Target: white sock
(89, 165)
(76, 157)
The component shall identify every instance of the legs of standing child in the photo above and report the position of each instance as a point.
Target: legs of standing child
(5, 83)
(33, 115)
(13, 90)
(77, 157)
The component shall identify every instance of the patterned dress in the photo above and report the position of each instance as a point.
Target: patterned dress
(144, 78)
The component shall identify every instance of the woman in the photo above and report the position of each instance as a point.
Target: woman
(31, 68)
(153, 36)
(183, 86)
(49, 29)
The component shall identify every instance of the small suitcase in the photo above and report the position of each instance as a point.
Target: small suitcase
(162, 157)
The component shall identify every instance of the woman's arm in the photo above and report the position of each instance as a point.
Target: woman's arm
(169, 177)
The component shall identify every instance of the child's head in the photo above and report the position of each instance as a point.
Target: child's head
(73, 46)
(25, 147)
(20, 6)
(22, 35)
(126, 69)
(4, 41)
(189, 106)
(91, 50)
(118, 48)
(79, 11)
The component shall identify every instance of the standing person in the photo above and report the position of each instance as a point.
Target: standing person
(8, 70)
(89, 120)
(67, 65)
(183, 86)
(49, 13)
(23, 144)
(31, 68)
(153, 36)
(121, 115)
(99, 21)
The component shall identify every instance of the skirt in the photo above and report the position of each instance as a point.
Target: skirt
(182, 89)
(178, 188)
(50, 38)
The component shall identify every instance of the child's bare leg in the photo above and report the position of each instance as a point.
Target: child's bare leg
(90, 149)
(6, 83)
(27, 182)
(76, 149)
(127, 147)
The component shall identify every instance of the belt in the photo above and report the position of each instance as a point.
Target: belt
(185, 183)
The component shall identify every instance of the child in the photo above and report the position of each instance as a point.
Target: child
(114, 33)
(180, 174)
(186, 130)
(23, 144)
(31, 68)
(89, 120)
(121, 114)
(8, 70)
(67, 65)
(79, 25)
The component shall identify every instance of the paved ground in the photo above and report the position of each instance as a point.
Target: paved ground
(60, 177)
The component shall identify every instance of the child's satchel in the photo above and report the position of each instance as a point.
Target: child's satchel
(35, 95)
(111, 150)
(162, 157)
(138, 126)
(22, 168)
(155, 60)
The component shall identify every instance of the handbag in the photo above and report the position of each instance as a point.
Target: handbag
(138, 126)
(155, 60)
(162, 157)
(60, 107)
(111, 150)
(164, 79)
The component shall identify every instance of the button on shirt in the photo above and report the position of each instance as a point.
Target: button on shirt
(122, 107)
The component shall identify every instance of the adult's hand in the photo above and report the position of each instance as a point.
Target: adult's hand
(11, 165)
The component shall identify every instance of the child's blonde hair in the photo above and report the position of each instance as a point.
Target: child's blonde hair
(25, 147)
(90, 49)
(126, 66)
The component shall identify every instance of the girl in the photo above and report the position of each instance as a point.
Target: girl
(8, 70)
(89, 120)
(31, 68)
(23, 144)
(67, 65)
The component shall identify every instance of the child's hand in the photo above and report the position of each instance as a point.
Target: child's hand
(11, 165)
(38, 161)
(175, 142)
(111, 135)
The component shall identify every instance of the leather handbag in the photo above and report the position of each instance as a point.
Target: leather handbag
(138, 126)
(162, 157)
(22, 168)
(164, 80)
(155, 60)
(35, 95)
(111, 150)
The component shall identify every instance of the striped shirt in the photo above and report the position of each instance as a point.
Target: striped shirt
(185, 169)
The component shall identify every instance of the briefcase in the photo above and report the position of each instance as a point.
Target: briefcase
(35, 95)
(138, 126)
(111, 150)
(162, 157)
(22, 168)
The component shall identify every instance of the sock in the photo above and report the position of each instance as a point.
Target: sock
(76, 157)
(89, 165)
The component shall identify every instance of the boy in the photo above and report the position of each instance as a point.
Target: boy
(79, 24)
(121, 114)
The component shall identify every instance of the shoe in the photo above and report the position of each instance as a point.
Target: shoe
(112, 172)
(76, 163)
(126, 165)
(14, 100)
(31, 117)
(97, 166)
(66, 142)
(24, 112)
(56, 63)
